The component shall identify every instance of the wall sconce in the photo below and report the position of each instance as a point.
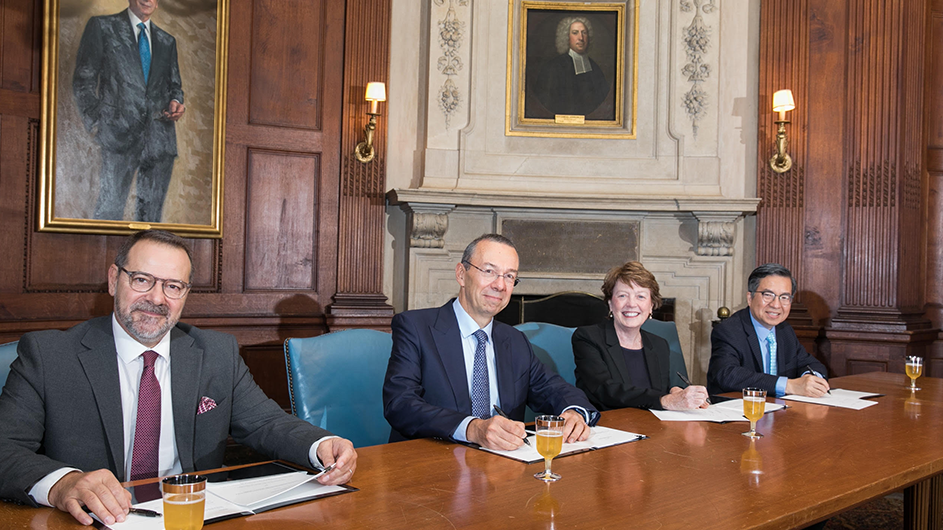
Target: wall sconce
(364, 151)
(782, 102)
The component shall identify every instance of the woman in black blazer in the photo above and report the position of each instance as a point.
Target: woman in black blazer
(617, 363)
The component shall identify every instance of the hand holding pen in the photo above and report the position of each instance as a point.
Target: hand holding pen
(686, 381)
(505, 416)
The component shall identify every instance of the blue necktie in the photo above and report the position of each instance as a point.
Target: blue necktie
(771, 342)
(144, 49)
(481, 389)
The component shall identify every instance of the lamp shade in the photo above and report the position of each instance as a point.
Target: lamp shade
(376, 91)
(782, 101)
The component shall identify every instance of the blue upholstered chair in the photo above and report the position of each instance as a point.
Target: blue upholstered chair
(335, 381)
(7, 354)
(669, 332)
(553, 346)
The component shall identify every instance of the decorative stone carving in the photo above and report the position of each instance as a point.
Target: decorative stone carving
(451, 32)
(696, 43)
(427, 225)
(715, 234)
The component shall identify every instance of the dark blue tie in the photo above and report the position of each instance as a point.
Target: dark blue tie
(144, 49)
(481, 390)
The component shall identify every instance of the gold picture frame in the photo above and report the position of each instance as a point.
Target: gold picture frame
(545, 96)
(81, 130)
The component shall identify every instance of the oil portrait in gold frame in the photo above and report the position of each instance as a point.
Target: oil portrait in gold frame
(572, 69)
(133, 130)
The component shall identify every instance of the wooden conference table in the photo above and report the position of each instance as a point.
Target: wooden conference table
(814, 462)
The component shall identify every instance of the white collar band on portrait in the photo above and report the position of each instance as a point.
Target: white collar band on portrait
(581, 63)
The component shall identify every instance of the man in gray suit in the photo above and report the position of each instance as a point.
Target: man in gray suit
(127, 88)
(137, 394)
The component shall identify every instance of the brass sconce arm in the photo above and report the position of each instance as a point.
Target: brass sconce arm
(364, 150)
(781, 162)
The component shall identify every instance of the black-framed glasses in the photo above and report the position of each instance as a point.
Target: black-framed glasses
(769, 296)
(143, 282)
(491, 275)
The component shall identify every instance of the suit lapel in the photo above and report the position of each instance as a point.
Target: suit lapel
(614, 351)
(100, 363)
(185, 365)
(503, 366)
(448, 343)
(753, 341)
(158, 52)
(125, 32)
(657, 373)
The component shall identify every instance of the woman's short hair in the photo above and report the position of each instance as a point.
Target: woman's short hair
(563, 32)
(632, 272)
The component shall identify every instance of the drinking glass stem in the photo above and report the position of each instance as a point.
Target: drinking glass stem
(752, 428)
(913, 383)
(547, 466)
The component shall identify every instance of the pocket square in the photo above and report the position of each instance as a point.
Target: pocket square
(206, 405)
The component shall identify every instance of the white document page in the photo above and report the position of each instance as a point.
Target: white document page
(724, 411)
(846, 399)
(600, 437)
(239, 497)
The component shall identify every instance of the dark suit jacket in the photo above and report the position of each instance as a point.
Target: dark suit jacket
(61, 406)
(425, 393)
(602, 374)
(118, 109)
(737, 360)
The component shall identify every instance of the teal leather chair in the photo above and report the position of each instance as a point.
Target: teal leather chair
(554, 347)
(669, 332)
(335, 381)
(7, 355)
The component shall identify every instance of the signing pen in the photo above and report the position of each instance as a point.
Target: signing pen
(503, 415)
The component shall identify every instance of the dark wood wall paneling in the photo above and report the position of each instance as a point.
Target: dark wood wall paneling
(294, 110)
(934, 188)
(851, 217)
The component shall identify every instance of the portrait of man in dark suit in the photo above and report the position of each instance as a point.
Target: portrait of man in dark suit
(128, 91)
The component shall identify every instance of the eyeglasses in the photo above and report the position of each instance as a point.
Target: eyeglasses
(491, 275)
(143, 282)
(769, 296)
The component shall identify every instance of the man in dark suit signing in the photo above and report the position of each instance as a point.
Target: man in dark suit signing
(127, 88)
(451, 365)
(138, 395)
(755, 347)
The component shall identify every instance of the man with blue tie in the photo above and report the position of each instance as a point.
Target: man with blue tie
(453, 366)
(127, 89)
(755, 347)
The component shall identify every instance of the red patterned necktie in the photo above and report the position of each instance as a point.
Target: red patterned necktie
(146, 448)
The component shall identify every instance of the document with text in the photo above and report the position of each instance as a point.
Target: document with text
(731, 410)
(225, 500)
(839, 397)
(601, 437)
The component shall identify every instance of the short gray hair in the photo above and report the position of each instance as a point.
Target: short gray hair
(563, 32)
(769, 269)
(470, 249)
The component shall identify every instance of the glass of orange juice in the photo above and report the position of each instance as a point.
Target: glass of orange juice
(754, 404)
(184, 500)
(549, 443)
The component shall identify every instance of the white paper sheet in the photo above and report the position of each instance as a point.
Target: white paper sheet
(724, 411)
(846, 399)
(600, 437)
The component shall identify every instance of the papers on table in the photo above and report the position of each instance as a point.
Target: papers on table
(839, 397)
(731, 410)
(600, 437)
(235, 498)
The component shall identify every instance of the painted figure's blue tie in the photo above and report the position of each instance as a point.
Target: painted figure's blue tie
(144, 48)
(771, 341)
(481, 389)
